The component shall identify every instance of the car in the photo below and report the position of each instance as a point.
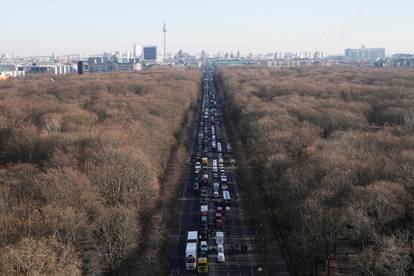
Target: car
(203, 246)
(219, 223)
(196, 172)
(204, 200)
(216, 194)
(204, 193)
(203, 234)
(216, 187)
(221, 258)
(204, 179)
(220, 248)
(224, 186)
(204, 220)
(195, 186)
(204, 209)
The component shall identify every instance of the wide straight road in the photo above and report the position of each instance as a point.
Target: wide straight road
(210, 141)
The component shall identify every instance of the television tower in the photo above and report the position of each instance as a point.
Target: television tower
(164, 29)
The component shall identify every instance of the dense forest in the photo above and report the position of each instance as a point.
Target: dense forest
(332, 151)
(83, 161)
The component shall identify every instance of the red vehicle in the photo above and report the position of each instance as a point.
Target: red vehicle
(204, 210)
(219, 223)
(219, 210)
(219, 216)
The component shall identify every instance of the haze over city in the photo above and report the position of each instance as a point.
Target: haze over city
(65, 27)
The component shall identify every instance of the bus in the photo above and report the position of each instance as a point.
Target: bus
(226, 198)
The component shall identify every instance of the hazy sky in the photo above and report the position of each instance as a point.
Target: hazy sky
(39, 27)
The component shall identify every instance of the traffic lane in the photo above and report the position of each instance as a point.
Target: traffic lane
(188, 222)
(188, 218)
(226, 269)
(191, 217)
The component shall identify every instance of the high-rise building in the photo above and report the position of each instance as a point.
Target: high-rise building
(137, 51)
(149, 53)
(129, 55)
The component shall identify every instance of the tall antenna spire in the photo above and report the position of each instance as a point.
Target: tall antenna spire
(164, 29)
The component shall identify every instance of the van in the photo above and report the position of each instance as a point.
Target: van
(220, 254)
(216, 187)
(219, 237)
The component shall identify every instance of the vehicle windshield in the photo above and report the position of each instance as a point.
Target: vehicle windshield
(190, 259)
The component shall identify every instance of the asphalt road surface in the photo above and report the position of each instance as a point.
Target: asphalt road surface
(239, 246)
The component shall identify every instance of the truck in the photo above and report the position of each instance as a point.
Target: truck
(192, 236)
(191, 256)
(202, 265)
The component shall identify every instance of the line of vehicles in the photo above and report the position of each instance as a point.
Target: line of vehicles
(212, 183)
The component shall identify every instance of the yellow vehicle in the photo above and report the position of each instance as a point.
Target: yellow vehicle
(202, 265)
(205, 161)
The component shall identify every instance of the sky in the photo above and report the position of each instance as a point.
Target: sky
(43, 27)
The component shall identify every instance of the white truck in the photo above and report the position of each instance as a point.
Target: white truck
(192, 236)
(191, 256)
(191, 250)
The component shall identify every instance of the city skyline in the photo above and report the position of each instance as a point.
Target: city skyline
(258, 27)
